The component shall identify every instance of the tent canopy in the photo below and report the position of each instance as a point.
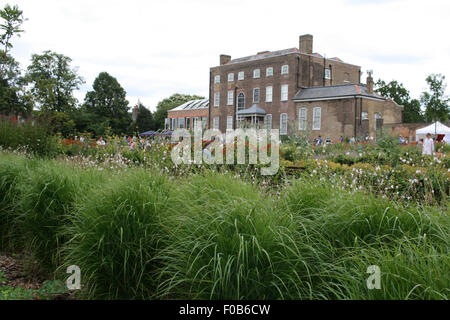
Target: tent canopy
(437, 128)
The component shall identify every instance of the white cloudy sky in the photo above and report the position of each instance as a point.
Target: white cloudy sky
(160, 47)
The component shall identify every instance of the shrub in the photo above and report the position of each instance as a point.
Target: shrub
(47, 195)
(36, 138)
(114, 236)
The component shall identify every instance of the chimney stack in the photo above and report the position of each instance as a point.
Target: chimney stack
(369, 82)
(224, 59)
(306, 44)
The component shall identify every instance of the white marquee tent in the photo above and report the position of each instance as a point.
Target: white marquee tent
(437, 128)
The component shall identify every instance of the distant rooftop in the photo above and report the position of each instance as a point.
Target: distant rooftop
(270, 54)
(341, 91)
(264, 55)
(192, 105)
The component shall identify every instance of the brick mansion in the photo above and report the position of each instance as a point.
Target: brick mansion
(290, 89)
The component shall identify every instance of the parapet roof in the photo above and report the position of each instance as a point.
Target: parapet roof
(271, 54)
(334, 92)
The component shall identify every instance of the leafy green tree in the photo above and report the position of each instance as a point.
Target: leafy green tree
(435, 99)
(169, 104)
(14, 98)
(397, 92)
(53, 81)
(59, 122)
(144, 121)
(107, 105)
(13, 20)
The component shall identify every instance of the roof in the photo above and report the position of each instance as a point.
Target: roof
(437, 127)
(252, 110)
(334, 92)
(261, 56)
(192, 105)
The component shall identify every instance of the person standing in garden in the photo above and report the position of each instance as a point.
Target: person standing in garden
(428, 146)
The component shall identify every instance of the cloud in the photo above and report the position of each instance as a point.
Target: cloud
(160, 47)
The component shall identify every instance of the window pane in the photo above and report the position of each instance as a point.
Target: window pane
(241, 75)
(268, 121)
(285, 69)
(302, 119)
(269, 92)
(256, 95)
(230, 99)
(216, 99)
(216, 123)
(241, 101)
(284, 92)
(283, 123)
(256, 73)
(269, 72)
(217, 79)
(317, 118)
(230, 123)
(231, 77)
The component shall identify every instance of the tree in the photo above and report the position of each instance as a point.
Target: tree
(53, 82)
(396, 91)
(168, 104)
(13, 19)
(435, 100)
(144, 121)
(107, 104)
(14, 99)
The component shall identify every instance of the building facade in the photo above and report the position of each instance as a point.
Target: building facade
(265, 90)
(187, 115)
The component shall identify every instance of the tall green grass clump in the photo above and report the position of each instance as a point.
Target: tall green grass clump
(115, 234)
(357, 230)
(227, 240)
(11, 168)
(47, 195)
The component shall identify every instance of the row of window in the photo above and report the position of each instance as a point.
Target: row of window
(187, 123)
(256, 96)
(256, 74)
(303, 116)
(316, 125)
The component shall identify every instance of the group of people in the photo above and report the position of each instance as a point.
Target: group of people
(319, 141)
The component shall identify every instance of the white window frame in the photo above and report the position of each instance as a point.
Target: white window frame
(283, 124)
(216, 99)
(217, 79)
(216, 122)
(302, 119)
(237, 101)
(284, 95)
(268, 121)
(269, 94)
(241, 75)
(317, 118)
(259, 95)
(364, 115)
(377, 116)
(327, 74)
(230, 77)
(230, 123)
(269, 74)
(256, 73)
(285, 69)
(230, 98)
